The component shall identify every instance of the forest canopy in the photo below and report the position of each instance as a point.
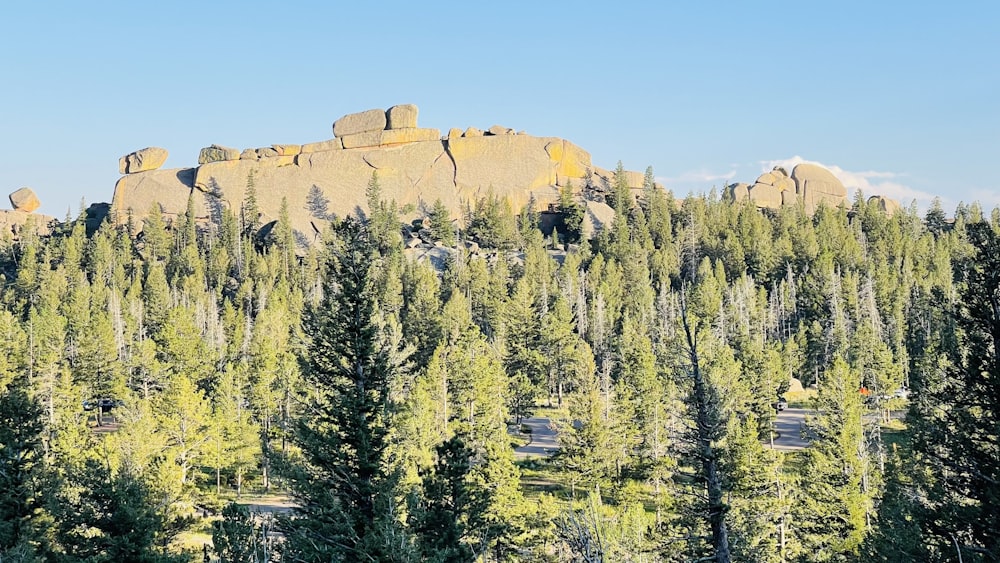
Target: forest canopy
(150, 385)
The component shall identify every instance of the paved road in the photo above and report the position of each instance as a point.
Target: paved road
(543, 439)
(788, 430)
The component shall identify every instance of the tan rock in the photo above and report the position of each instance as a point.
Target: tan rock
(352, 123)
(500, 130)
(606, 178)
(414, 166)
(572, 162)
(169, 189)
(149, 158)
(216, 153)
(738, 191)
(401, 117)
(287, 150)
(513, 165)
(598, 215)
(766, 178)
(249, 154)
(779, 172)
(789, 197)
(473, 132)
(331, 145)
(785, 184)
(390, 137)
(15, 223)
(267, 152)
(454, 133)
(765, 195)
(24, 200)
(886, 205)
(817, 186)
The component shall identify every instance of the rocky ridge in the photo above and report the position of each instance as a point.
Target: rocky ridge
(415, 166)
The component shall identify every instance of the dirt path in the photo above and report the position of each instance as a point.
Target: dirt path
(543, 439)
(788, 430)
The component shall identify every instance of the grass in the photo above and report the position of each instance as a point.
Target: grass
(800, 399)
(541, 476)
(552, 413)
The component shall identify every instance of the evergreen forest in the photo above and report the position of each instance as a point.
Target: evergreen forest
(158, 391)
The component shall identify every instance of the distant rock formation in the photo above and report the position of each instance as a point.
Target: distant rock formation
(810, 184)
(888, 206)
(414, 166)
(13, 222)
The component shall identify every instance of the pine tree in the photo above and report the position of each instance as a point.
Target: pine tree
(957, 413)
(441, 518)
(345, 487)
(833, 505)
(105, 516)
(21, 469)
(441, 226)
(237, 538)
(572, 213)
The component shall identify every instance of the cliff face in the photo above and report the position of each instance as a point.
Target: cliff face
(414, 166)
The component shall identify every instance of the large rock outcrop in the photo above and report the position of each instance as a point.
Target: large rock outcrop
(14, 223)
(414, 166)
(816, 185)
(809, 184)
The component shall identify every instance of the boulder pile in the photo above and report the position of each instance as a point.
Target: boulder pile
(810, 184)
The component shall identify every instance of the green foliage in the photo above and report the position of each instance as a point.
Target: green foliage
(661, 347)
(442, 516)
(572, 213)
(492, 224)
(104, 516)
(442, 228)
(343, 485)
(21, 468)
(237, 538)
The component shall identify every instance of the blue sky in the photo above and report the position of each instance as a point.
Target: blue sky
(903, 98)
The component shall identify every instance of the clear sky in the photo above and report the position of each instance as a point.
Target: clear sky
(902, 97)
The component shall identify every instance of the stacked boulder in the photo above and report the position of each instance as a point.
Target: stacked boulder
(377, 128)
(149, 158)
(809, 183)
(14, 221)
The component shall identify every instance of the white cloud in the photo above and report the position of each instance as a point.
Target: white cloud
(871, 182)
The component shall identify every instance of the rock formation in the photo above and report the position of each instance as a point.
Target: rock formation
(414, 166)
(816, 184)
(809, 183)
(149, 158)
(24, 200)
(887, 205)
(13, 222)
